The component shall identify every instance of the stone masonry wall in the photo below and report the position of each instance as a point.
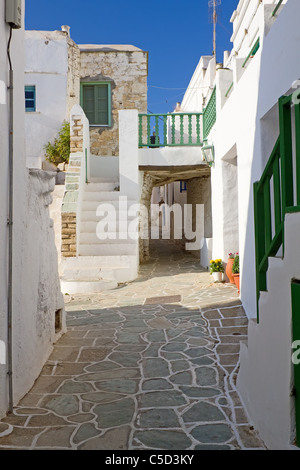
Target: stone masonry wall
(145, 218)
(73, 78)
(70, 199)
(76, 135)
(68, 242)
(127, 72)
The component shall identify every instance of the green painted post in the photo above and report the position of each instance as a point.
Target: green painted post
(148, 130)
(173, 128)
(190, 129)
(156, 130)
(286, 158)
(297, 133)
(286, 152)
(277, 194)
(140, 130)
(198, 128)
(295, 288)
(181, 129)
(86, 166)
(267, 212)
(260, 241)
(165, 129)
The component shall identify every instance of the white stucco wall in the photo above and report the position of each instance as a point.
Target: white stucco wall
(36, 295)
(265, 380)
(46, 67)
(171, 156)
(104, 168)
(266, 376)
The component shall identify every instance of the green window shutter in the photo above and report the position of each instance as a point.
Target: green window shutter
(102, 104)
(30, 98)
(95, 102)
(88, 102)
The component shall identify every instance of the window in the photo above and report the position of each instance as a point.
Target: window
(96, 103)
(183, 186)
(30, 105)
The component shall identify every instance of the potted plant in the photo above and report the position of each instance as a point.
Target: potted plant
(236, 271)
(228, 270)
(217, 269)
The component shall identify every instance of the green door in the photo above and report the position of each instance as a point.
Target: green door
(296, 351)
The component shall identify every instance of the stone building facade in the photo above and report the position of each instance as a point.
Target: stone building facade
(124, 68)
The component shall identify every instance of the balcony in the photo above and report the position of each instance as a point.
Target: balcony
(177, 129)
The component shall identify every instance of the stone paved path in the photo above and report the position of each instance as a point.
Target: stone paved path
(150, 365)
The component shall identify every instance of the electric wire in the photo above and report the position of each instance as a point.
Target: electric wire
(8, 48)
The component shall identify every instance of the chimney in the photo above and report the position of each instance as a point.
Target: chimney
(66, 29)
(226, 57)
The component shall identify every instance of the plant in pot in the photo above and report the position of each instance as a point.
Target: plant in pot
(236, 271)
(217, 269)
(229, 265)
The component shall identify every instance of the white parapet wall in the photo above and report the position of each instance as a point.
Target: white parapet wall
(171, 156)
(129, 154)
(103, 168)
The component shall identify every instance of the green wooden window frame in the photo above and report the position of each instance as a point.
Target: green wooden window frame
(30, 98)
(95, 100)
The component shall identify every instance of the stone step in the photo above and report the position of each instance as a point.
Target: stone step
(115, 238)
(113, 262)
(88, 273)
(119, 205)
(100, 196)
(121, 268)
(99, 180)
(97, 187)
(121, 226)
(108, 249)
(91, 216)
(87, 287)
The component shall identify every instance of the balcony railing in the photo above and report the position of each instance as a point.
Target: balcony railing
(170, 130)
(277, 7)
(209, 115)
(278, 191)
(252, 52)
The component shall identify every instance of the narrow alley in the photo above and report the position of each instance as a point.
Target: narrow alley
(149, 365)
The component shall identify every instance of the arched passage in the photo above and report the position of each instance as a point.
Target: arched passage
(195, 181)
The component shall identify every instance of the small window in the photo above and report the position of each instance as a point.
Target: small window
(96, 103)
(30, 105)
(183, 186)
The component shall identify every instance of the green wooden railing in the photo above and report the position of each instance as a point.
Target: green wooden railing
(277, 7)
(274, 194)
(209, 115)
(252, 52)
(229, 89)
(169, 130)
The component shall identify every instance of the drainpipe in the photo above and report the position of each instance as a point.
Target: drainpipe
(10, 231)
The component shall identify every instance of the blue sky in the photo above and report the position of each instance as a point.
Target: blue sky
(176, 33)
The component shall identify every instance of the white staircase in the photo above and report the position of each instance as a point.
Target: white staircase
(104, 258)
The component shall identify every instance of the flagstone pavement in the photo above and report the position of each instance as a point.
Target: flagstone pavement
(149, 365)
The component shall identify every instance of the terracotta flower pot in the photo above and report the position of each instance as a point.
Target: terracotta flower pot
(237, 281)
(229, 270)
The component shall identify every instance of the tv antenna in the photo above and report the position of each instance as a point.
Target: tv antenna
(213, 4)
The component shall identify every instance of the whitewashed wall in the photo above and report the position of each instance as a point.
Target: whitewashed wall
(266, 375)
(46, 67)
(36, 293)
